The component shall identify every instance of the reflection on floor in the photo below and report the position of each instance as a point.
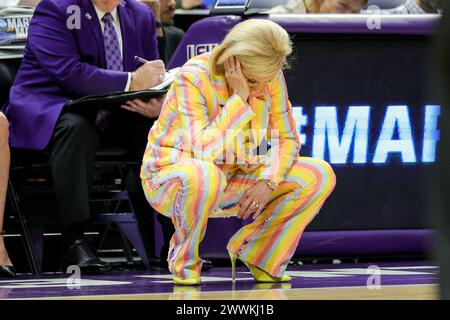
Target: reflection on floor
(399, 280)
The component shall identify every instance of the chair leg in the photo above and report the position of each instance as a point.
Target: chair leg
(37, 238)
(131, 231)
(127, 249)
(35, 266)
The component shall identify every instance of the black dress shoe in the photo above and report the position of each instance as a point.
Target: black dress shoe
(79, 253)
(7, 272)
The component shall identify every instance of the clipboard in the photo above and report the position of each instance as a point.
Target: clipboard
(113, 100)
(116, 99)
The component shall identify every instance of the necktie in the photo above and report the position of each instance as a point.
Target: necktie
(113, 62)
(112, 49)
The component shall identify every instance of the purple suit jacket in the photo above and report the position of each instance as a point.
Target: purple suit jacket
(60, 64)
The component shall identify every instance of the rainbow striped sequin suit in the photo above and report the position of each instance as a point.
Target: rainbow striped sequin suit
(201, 158)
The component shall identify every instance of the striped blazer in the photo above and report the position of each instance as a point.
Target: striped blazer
(199, 120)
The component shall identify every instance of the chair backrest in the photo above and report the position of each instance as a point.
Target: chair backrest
(197, 41)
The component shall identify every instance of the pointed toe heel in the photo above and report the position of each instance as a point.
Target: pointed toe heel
(7, 272)
(262, 276)
(258, 274)
(187, 282)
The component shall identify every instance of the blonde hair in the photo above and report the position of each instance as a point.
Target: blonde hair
(261, 46)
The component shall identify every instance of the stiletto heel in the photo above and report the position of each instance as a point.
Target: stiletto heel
(233, 266)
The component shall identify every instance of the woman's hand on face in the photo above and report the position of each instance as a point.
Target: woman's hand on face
(254, 200)
(235, 79)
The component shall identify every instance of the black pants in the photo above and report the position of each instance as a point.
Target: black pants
(73, 147)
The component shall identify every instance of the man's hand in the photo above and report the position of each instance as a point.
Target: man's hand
(189, 4)
(150, 109)
(254, 200)
(156, 8)
(148, 75)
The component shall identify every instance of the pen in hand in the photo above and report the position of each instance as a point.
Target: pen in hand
(141, 59)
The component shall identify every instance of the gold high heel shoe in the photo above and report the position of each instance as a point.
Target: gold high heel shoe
(187, 282)
(258, 274)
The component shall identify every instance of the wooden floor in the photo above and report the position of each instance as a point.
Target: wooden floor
(368, 281)
(409, 292)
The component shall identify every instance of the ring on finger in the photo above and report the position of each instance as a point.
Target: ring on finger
(256, 204)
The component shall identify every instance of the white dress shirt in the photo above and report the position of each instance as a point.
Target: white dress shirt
(409, 7)
(116, 24)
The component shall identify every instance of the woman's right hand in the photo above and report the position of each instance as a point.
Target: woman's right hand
(235, 79)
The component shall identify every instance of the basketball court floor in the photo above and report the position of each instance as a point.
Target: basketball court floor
(388, 280)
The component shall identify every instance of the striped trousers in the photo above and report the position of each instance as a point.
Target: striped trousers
(191, 191)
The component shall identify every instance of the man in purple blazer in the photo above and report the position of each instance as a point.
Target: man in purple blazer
(77, 48)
